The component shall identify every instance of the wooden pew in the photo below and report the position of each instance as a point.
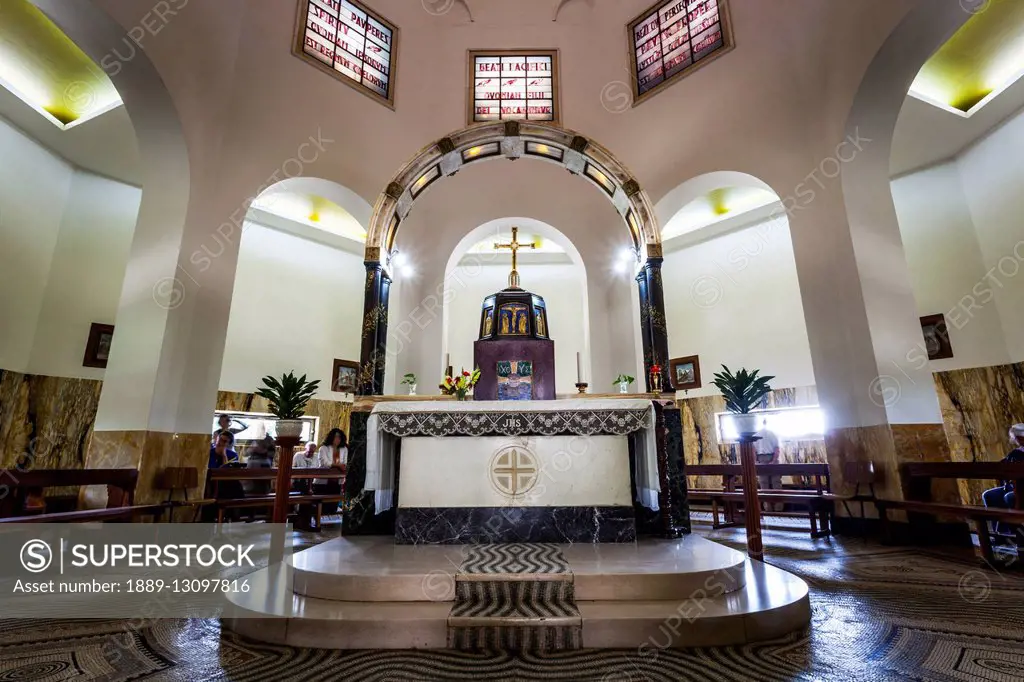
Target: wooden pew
(916, 481)
(26, 501)
(215, 477)
(816, 498)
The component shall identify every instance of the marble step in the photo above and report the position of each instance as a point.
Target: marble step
(375, 569)
(502, 637)
(771, 603)
(514, 604)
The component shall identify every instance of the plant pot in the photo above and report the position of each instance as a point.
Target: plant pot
(623, 387)
(412, 389)
(745, 423)
(288, 428)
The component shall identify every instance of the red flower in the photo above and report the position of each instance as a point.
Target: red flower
(465, 373)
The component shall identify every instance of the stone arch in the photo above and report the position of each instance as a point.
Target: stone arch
(513, 140)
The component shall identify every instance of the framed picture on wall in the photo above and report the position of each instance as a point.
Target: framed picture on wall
(936, 337)
(685, 372)
(97, 348)
(345, 377)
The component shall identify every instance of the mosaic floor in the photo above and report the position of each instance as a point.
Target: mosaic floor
(880, 613)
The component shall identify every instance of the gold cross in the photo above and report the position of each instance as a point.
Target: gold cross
(514, 468)
(514, 245)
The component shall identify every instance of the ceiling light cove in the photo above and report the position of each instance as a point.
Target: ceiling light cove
(980, 61)
(47, 71)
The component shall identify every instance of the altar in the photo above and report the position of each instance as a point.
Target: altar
(489, 471)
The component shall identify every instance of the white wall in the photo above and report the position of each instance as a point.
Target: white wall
(86, 274)
(993, 180)
(297, 305)
(946, 263)
(735, 300)
(34, 186)
(561, 286)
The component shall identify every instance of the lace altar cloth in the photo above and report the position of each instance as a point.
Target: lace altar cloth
(586, 417)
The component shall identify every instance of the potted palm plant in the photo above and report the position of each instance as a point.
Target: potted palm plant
(288, 397)
(623, 381)
(410, 381)
(743, 391)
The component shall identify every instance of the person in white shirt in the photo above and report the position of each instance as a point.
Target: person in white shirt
(307, 459)
(332, 454)
(767, 452)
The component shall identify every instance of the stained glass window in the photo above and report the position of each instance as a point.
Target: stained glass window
(510, 86)
(674, 36)
(350, 41)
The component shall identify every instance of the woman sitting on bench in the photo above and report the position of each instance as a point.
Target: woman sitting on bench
(1005, 497)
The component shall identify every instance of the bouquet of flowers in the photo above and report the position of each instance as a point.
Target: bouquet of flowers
(460, 385)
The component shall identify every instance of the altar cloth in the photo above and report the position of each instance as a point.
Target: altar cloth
(581, 417)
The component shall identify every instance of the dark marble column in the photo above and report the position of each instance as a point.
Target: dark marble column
(373, 351)
(653, 324)
(646, 334)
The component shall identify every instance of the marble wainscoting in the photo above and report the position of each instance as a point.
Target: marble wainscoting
(472, 525)
(700, 432)
(150, 452)
(978, 407)
(46, 422)
(889, 446)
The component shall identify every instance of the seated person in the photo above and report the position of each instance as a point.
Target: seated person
(221, 455)
(332, 454)
(1005, 497)
(221, 452)
(260, 456)
(306, 459)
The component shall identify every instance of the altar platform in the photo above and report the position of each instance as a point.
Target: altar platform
(368, 593)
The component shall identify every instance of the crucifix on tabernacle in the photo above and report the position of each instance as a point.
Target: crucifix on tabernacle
(514, 245)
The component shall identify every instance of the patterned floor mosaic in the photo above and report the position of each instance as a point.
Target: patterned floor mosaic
(880, 613)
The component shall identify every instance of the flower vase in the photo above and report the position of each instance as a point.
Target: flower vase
(412, 389)
(623, 387)
(460, 395)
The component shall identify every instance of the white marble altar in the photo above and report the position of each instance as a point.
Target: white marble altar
(531, 471)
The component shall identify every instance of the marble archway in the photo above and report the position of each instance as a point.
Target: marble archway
(510, 140)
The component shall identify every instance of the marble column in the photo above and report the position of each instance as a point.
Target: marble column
(373, 351)
(867, 348)
(160, 385)
(654, 329)
(646, 332)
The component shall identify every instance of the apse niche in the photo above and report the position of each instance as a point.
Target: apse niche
(549, 267)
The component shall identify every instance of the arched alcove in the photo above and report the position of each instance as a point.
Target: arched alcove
(730, 263)
(556, 272)
(301, 252)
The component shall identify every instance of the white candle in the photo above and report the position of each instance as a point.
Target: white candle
(579, 369)
(447, 363)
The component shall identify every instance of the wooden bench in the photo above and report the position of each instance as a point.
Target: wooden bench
(916, 481)
(216, 477)
(815, 499)
(27, 503)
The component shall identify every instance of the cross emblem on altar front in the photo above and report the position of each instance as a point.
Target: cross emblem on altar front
(514, 470)
(514, 246)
